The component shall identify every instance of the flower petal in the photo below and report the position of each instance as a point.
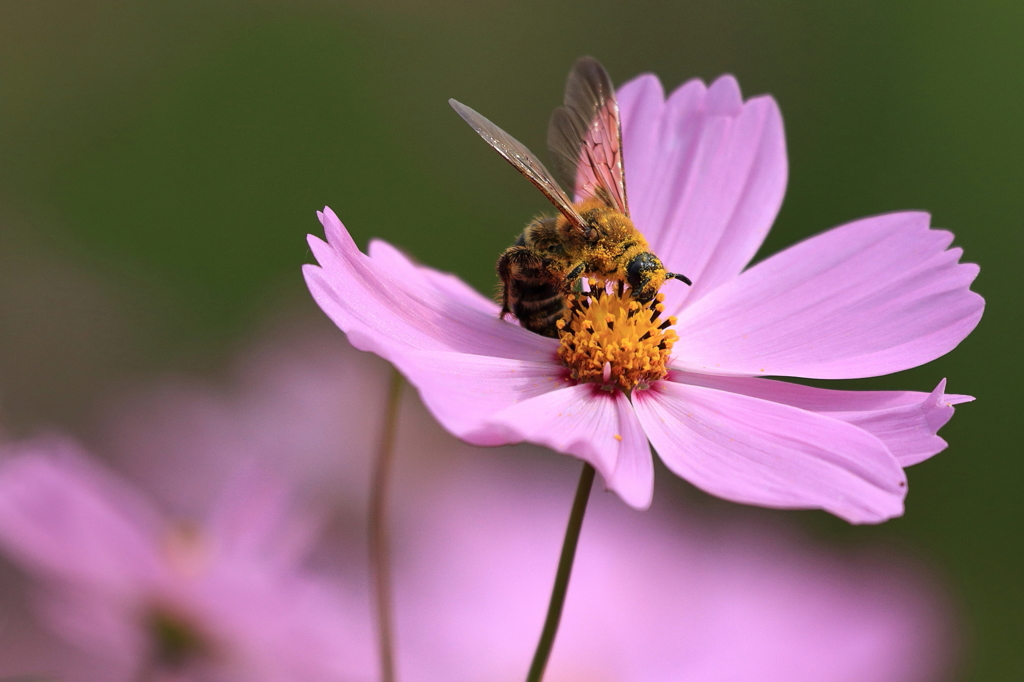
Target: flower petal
(66, 517)
(760, 452)
(385, 313)
(594, 425)
(633, 477)
(706, 174)
(641, 101)
(409, 272)
(256, 524)
(906, 421)
(872, 297)
(464, 392)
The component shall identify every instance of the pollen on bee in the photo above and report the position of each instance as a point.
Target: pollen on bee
(616, 342)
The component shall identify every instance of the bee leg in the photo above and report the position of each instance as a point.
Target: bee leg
(573, 276)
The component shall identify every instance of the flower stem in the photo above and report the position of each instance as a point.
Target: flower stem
(380, 567)
(558, 592)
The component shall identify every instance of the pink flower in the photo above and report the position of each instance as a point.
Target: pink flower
(706, 174)
(674, 595)
(224, 599)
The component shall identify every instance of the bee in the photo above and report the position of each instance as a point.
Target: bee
(593, 237)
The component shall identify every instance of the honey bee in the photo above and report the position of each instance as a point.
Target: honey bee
(593, 237)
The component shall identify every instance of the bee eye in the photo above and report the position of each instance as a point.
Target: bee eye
(637, 272)
(634, 271)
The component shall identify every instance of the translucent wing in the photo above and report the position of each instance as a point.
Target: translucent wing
(585, 136)
(520, 157)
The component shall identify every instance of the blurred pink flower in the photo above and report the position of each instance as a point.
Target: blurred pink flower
(220, 600)
(295, 402)
(706, 175)
(675, 595)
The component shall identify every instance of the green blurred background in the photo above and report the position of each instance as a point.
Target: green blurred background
(160, 165)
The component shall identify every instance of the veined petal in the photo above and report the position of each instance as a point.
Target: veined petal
(705, 175)
(910, 429)
(872, 297)
(633, 476)
(592, 424)
(413, 274)
(464, 392)
(388, 309)
(906, 421)
(760, 452)
(641, 102)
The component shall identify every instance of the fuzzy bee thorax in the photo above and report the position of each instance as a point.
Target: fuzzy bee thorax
(609, 244)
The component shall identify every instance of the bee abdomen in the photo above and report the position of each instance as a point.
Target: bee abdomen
(529, 292)
(538, 308)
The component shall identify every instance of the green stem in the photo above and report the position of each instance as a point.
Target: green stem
(572, 537)
(380, 566)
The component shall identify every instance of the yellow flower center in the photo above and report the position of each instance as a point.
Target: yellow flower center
(613, 340)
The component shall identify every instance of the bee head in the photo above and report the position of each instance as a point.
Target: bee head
(645, 274)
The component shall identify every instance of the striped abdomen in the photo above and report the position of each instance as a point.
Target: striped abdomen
(529, 292)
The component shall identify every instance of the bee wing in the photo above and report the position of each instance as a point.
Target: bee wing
(585, 136)
(524, 161)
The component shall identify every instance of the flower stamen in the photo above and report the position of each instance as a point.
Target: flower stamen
(611, 339)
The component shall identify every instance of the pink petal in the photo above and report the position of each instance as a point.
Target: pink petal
(387, 307)
(67, 518)
(254, 523)
(906, 421)
(403, 268)
(705, 175)
(641, 101)
(760, 452)
(872, 297)
(464, 391)
(595, 425)
(633, 477)
(909, 429)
